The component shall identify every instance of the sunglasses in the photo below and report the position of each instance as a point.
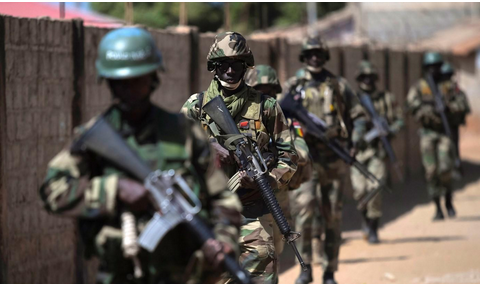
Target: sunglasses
(308, 54)
(235, 65)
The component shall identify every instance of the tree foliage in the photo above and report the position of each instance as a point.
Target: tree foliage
(245, 17)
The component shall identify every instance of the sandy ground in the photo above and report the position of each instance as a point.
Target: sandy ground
(413, 249)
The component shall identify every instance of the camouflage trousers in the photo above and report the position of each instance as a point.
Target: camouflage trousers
(437, 161)
(362, 185)
(257, 249)
(320, 196)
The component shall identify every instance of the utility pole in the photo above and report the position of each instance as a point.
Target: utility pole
(62, 9)
(227, 16)
(183, 14)
(129, 12)
(311, 18)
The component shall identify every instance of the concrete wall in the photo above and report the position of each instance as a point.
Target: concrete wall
(48, 85)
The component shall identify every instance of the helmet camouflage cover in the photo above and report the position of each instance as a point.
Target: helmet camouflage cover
(233, 45)
(447, 69)
(366, 68)
(126, 53)
(313, 42)
(263, 75)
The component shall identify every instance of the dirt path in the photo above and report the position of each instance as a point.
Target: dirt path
(414, 249)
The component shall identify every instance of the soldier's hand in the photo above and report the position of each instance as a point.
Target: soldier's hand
(246, 181)
(222, 153)
(214, 252)
(133, 194)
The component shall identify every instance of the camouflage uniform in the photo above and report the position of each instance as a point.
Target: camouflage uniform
(329, 170)
(435, 145)
(85, 186)
(260, 118)
(266, 75)
(373, 155)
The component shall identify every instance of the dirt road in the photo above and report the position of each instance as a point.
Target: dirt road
(413, 249)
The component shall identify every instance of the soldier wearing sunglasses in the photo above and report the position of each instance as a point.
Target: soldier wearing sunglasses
(260, 118)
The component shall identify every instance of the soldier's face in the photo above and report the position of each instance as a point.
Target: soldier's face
(230, 71)
(314, 57)
(133, 91)
(434, 70)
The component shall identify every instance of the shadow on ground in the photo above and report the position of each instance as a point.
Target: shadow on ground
(373, 259)
(402, 200)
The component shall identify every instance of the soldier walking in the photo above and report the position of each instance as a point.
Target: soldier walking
(436, 147)
(372, 154)
(331, 99)
(260, 118)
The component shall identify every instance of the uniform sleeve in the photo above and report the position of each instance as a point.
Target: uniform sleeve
(70, 190)
(279, 131)
(225, 205)
(191, 107)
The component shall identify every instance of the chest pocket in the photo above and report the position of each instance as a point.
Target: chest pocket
(250, 121)
(319, 100)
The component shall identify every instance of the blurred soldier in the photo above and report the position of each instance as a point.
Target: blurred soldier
(435, 145)
(86, 186)
(260, 118)
(372, 155)
(331, 99)
(459, 118)
(264, 78)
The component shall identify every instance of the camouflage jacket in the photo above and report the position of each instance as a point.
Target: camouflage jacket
(84, 185)
(320, 99)
(260, 118)
(420, 102)
(386, 106)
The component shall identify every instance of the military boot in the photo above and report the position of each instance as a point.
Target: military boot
(328, 278)
(439, 213)
(449, 205)
(305, 277)
(373, 225)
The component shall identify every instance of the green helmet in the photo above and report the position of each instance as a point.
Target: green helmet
(310, 43)
(126, 53)
(366, 68)
(431, 58)
(447, 69)
(230, 44)
(263, 75)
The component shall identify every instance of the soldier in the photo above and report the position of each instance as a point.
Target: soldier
(436, 147)
(450, 85)
(372, 155)
(85, 186)
(260, 118)
(264, 78)
(331, 99)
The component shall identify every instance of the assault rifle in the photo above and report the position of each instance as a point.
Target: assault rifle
(440, 108)
(173, 199)
(252, 162)
(380, 130)
(292, 107)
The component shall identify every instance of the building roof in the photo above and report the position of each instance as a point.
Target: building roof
(460, 39)
(38, 9)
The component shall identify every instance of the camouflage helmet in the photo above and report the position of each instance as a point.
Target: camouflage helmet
(310, 43)
(447, 69)
(300, 73)
(230, 44)
(126, 53)
(263, 75)
(366, 68)
(431, 58)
